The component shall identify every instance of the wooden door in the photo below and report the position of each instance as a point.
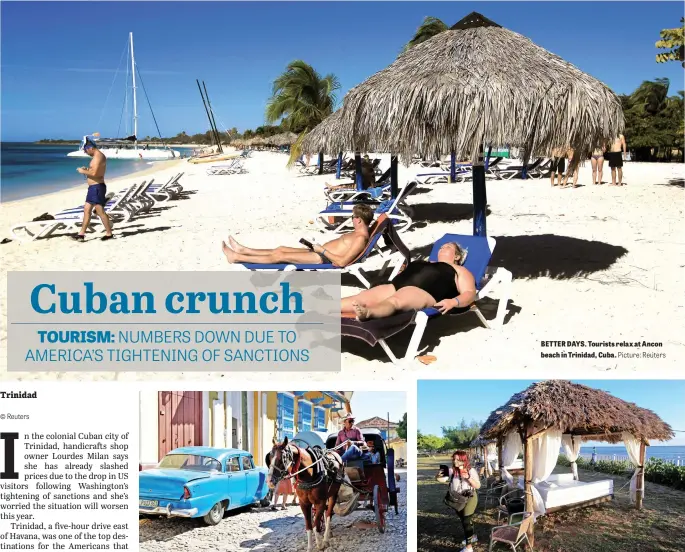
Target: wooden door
(180, 420)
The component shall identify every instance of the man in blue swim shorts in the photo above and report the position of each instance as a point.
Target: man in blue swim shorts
(97, 191)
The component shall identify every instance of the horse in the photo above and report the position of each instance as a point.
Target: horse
(318, 483)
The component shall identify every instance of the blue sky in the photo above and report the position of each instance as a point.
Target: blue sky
(445, 403)
(56, 77)
(367, 404)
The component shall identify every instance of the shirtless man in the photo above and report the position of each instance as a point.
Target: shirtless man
(97, 191)
(617, 151)
(340, 251)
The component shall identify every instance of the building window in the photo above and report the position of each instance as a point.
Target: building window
(286, 416)
(320, 419)
(384, 434)
(304, 416)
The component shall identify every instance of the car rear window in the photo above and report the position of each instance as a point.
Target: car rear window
(190, 462)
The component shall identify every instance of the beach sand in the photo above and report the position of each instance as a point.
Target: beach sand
(597, 263)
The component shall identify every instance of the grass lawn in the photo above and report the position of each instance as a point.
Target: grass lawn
(613, 526)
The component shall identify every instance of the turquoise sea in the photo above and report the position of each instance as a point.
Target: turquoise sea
(670, 454)
(28, 169)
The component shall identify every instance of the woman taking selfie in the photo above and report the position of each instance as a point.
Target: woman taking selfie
(462, 495)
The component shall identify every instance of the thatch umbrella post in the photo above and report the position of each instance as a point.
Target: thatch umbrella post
(358, 170)
(338, 166)
(320, 162)
(394, 188)
(453, 167)
(640, 491)
(480, 199)
(487, 158)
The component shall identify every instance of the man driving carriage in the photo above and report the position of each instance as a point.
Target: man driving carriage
(353, 439)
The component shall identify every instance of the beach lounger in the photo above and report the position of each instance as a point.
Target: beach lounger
(338, 216)
(118, 208)
(165, 192)
(516, 171)
(234, 167)
(66, 220)
(350, 193)
(488, 281)
(393, 259)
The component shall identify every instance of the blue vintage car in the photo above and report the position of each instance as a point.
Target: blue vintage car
(202, 482)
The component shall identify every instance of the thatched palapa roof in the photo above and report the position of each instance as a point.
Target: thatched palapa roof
(472, 84)
(577, 409)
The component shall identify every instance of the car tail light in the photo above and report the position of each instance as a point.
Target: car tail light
(186, 493)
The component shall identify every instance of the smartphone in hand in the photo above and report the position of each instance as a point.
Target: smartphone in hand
(307, 243)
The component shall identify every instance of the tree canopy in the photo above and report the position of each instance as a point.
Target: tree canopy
(453, 437)
(654, 121)
(301, 97)
(430, 27)
(672, 40)
(402, 427)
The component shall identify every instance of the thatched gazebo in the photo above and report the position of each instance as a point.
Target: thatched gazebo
(550, 413)
(476, 84)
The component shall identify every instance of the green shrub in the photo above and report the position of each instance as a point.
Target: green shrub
(656, 470)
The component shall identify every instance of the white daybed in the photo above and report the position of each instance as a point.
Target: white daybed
(561, 492)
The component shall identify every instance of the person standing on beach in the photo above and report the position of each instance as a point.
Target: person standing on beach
(558, 164)
(97, 191)
(573, 166)
(616, 154)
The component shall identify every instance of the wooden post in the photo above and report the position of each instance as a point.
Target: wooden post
(358, 171)
(394, 188)
(499, 457)
(338, 166)
(528, 483)
(453, 167)
(480, 199)
(487, 158)
(639, 495)
(320, 162)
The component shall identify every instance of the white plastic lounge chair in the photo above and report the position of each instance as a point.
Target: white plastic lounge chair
(379, 192)
(119, 207)
(165, 192)
(393, 259)
(341, 213)
(488, 282)
(516, 171)
(234, 167)
(65, 220)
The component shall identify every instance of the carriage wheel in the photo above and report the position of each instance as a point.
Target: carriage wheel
(379, 508)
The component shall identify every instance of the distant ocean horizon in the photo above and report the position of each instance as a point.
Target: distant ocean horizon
(669, 453)
(28, 169)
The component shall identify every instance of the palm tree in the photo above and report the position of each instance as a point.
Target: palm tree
(430, 27)
(302, 99)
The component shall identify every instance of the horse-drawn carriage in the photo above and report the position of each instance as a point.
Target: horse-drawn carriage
(369, 481)
(326, 486)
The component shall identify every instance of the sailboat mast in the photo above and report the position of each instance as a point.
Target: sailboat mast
(135, 105)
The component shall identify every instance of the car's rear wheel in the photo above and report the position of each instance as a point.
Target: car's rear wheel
(216, 514)
(264, 502)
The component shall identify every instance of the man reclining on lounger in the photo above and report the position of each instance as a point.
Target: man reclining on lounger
(444, 284)
(368, 178)
(340, 251)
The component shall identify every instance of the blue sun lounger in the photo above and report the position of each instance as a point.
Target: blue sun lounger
(488, 280)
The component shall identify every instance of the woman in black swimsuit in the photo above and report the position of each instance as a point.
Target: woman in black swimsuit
(444, 284)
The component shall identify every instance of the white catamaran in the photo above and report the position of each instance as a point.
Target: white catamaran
(128, 148)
